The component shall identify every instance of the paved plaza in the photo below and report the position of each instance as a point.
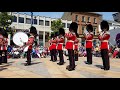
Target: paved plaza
(44, 68)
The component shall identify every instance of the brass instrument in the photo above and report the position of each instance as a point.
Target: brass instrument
(75, 51)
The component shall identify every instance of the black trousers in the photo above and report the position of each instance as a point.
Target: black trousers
(105, 58)
(61, 56)
(76, 54)
(51, 54)
(71, 58)
(0, 56)
(4, 56)
(54, 55)
(29, 56)
(89, 55)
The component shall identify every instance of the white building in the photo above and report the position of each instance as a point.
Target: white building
(112, 25)
(42, 24)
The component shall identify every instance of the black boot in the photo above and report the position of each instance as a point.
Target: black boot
(67, 66)
(102, 68)
(54, 60)
(88, 63)
(71, 68)
(60, 63)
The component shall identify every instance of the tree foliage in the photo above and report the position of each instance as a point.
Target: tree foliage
(56, 25)
(5, 19)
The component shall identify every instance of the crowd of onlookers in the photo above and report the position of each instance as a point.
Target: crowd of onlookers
(37, 52)
(43, 52)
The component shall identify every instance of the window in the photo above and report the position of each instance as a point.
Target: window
(68, 25)
(21, 20)
(41, 22)
(76, 18)
(14, 19)
(88, 19)
(83, 18)
(35, 21)
(95, 21)
(83, 28)
(28, 21)
(47, 23)
(94, 30)
(64, 25)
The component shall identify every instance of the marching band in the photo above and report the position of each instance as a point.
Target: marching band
(57, 41)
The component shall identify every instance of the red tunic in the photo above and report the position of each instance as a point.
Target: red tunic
(70, 40)
(30, 42)
(4, 47)
(104, 37)
(54, 43)
(60, 43)
(76, 43)
(89, 38)
(1, 42)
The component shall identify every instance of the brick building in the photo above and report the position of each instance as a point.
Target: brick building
(83, 18)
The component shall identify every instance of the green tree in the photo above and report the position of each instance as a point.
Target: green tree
(5, 19)
(55, 25)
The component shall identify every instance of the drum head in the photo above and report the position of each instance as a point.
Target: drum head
(20, 38)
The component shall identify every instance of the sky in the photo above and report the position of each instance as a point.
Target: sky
(106, 15)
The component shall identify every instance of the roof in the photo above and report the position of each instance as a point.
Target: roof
(111, 21)
(68, 15)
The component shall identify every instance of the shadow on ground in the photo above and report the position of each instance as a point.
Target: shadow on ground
(32, 63)
(99, 66)
(1, 69)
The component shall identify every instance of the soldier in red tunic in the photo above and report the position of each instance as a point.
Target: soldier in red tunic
(60, 41)
(71, 37)
(76, 49)
(5, 44)
(104, 37)
(33, 33)
(54, 46)
(50, 46)
(1, 44)
(89, 43)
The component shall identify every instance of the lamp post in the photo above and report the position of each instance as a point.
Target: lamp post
(31, 18)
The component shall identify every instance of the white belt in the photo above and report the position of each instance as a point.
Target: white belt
(70, 41)
(60, 43)
(104, 41)
(89, 40)
(76, 44)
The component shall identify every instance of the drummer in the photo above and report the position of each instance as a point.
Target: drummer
(32, 35)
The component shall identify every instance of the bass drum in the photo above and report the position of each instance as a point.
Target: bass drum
(20, 38)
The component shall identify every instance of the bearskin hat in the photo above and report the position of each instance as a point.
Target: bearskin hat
(89, 27)
(73, 26)
(3, 32)
(33, 30)
(52, 35)
(61, 31)
(56, 34)
(104, 25)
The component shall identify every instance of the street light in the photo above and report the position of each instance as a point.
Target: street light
(31, 18)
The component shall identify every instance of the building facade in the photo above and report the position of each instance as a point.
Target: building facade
(22, 22)
(83, 18)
